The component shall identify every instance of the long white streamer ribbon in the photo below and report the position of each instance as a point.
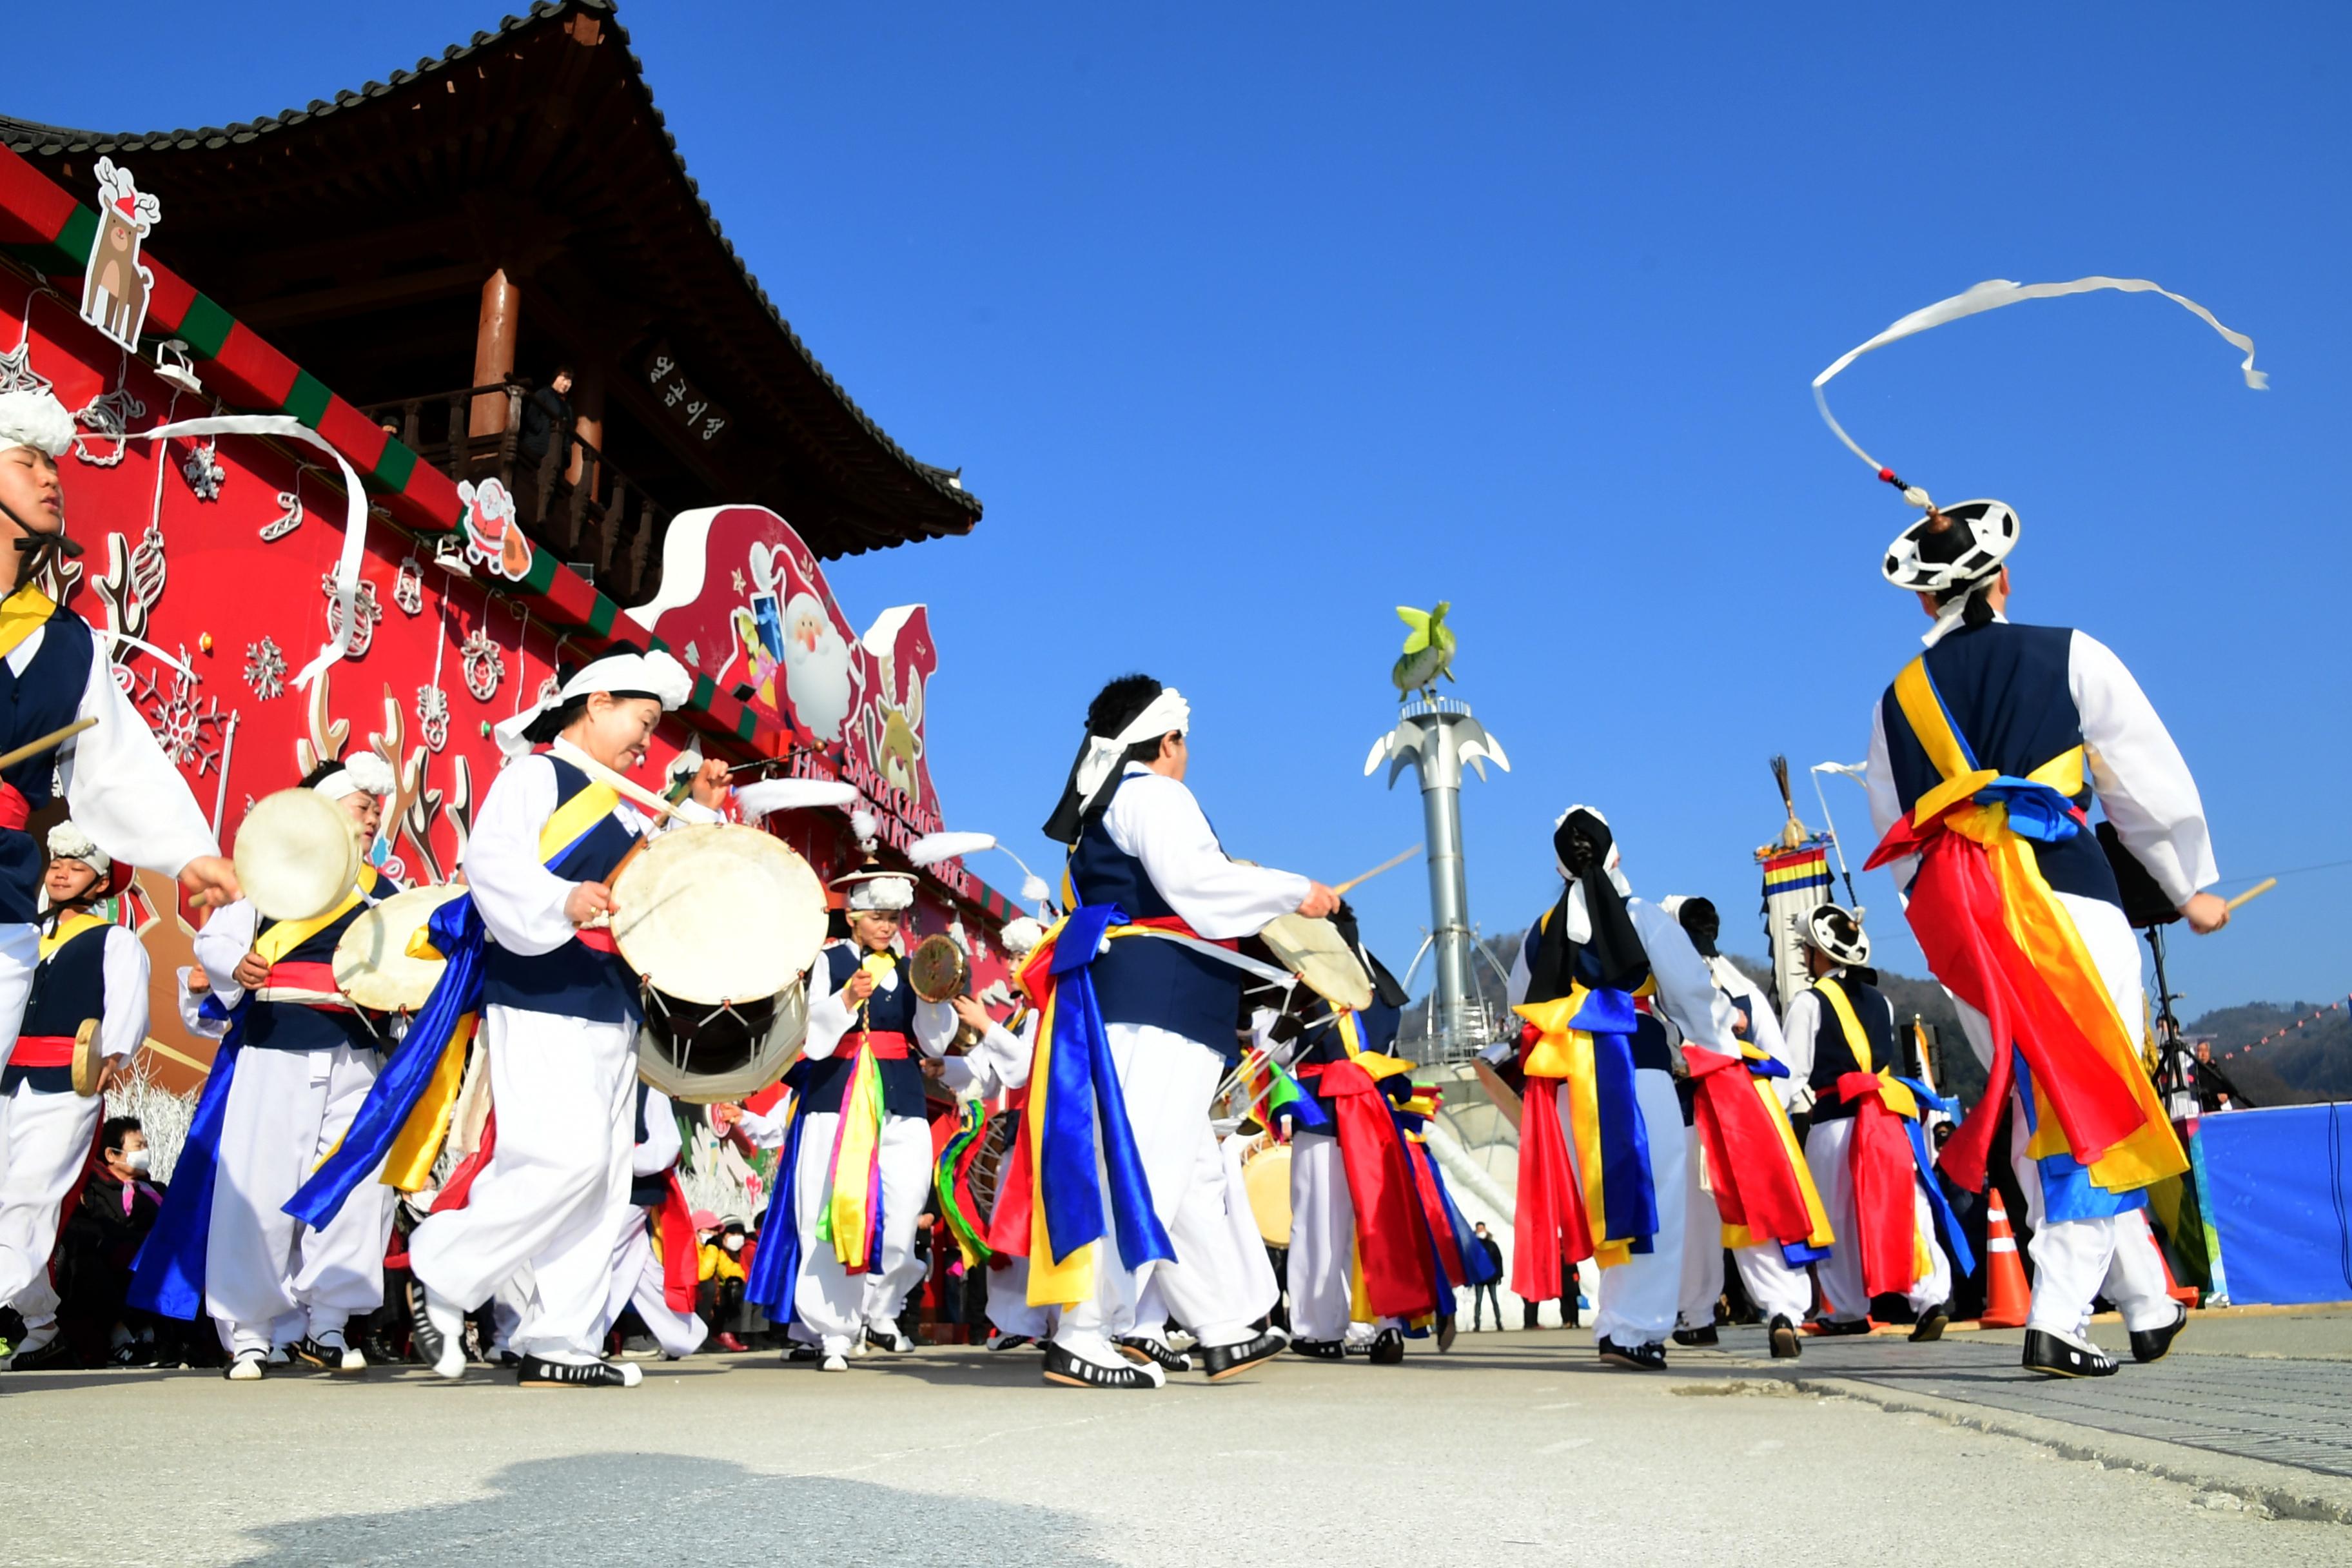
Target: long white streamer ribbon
(1992, 295)
(347, 565)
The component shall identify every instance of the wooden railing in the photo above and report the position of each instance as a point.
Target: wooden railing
(570, 498)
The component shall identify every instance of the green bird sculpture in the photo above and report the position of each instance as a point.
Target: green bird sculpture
(1428, 651)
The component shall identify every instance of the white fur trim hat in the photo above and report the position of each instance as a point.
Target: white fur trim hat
(1020, 936)
(34, 418)
(623, 671)
(363, 774)
(69, 842)
(878, 892)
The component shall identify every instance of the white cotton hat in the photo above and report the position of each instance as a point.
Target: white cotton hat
(362, 774)
(34, 417)
(69, 842)
(623, 671)
(1020, 936)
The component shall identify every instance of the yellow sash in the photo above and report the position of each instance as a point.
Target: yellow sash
(2038, 922)
(1897, 1097)
(1567, 1054)
(287, 935)
(22, 614)
(70, 927)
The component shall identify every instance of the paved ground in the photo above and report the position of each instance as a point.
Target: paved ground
(1515, 1448)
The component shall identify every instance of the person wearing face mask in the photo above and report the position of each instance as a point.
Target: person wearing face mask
(1601, 980)
(128, 797)
(560, 1018)
(102, 1237)
(90, 972)
(720, 1298)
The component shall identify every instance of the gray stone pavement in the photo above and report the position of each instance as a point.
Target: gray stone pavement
(1517, 1447)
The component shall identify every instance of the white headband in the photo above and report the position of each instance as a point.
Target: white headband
(1167, 713)
(365, 774)
(69, 842)
(657, 673)
(34, 418)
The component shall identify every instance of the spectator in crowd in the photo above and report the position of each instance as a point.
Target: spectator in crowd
(722, 1294)
(1484, 1296)
(2214, 1090)
(99, 1238)
(547, 420)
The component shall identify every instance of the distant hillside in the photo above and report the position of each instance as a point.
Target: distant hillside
(2312, 1063)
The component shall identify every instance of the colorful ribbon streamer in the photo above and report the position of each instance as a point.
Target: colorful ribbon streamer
(168, 1276)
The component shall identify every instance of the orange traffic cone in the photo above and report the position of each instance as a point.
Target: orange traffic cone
(2008, 1301)
(2184, 1294)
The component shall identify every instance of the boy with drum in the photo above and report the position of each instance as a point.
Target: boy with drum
(305, 1060)
(560, 1020)
(92, 974)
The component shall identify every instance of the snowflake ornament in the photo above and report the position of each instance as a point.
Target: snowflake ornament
(265, 669)
(485, 666)
(187, 727)
(365, 613)
(432, 715)
(16, 372)
(203, 471)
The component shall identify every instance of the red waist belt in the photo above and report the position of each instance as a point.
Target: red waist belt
(15, 809)
(304, 976)
(43, 1051)
(887, 1046)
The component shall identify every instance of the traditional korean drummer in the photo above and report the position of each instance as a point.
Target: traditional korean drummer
(91, 985)
(305, 1060)
(862, 1113)
(560, 1020)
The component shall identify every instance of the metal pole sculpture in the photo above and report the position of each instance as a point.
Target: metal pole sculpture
(1438, 734)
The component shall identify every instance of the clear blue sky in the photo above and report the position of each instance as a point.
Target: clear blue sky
(1249, 323)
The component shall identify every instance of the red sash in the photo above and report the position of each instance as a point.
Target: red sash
(295, 975)
(887, 1045)
(680, 1254)
(15, 809)
(1550, 1229)
(43, 1051)
(1388, 1239)
(1886, 1220)
(1756, 1183)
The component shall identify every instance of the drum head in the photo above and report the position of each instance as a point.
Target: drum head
(936, 968)
(296, 855)
(716, 914)
(703, 1054)
(1316, 952)
(371, 962)
(87, 1063)
(1265, 1176)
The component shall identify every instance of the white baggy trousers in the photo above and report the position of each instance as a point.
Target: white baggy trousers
(45, 1142)
(638, 1280)
(832, 1304)
(2074, 1259)
(1640, 1297)
(1829, 1152)
(550, 1196)
(1214, 1287)
(268, 1278)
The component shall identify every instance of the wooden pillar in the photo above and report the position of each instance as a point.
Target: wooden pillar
(588, 423)
(494, 351)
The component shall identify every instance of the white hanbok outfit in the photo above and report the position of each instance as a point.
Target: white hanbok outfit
(47, 1135)
(2145, 790)
(1221, 1282)
(1640, 1298)
(550, 1196)
(270, 1279)
(638, 1278)
(1775, 1289)
(1828, 1154)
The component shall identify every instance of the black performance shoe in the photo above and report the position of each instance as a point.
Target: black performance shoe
(1831, 1329)
(1009, 1341)
(57, 1355)
(537, 1371)
(433, 1348)
(1136, 1348)
(1695, 1338)
(1388, 1348)
(1223, 1362)
(1073, 1372)
(1640, 1358)
(800, 1350)
(2153, 1344)
(1447, 1328)
(1787, 1344)
(2052, 1356)
(888, 1338)
(1930, 1326)
(1320, 1350)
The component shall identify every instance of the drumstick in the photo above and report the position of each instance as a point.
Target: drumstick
(620, 782)
(53, 739)
(2248, 896)
(1512, 1107)
(1391, 864)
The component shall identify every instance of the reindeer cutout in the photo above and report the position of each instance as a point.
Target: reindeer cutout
(114, 287)
(899, 747)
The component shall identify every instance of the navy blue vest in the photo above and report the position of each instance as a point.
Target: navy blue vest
(652, 1191)
(1375, 1028)
(1143, 979)
(68, 991)
(886, 1012)
(45, 697)
(290, 1025)
(574, 980)
(1834, 1057)
(2007, 690)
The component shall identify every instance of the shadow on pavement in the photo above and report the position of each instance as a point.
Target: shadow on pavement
(651, 1508)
